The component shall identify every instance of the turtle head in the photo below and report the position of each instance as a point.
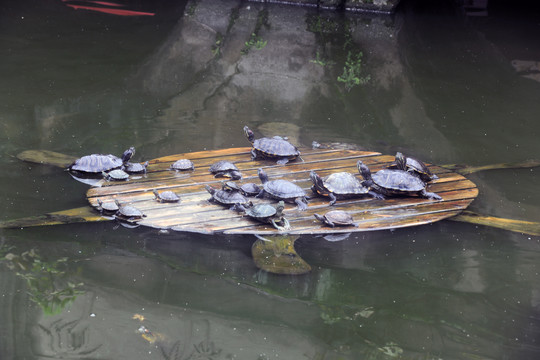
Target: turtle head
(249, 134)
(279, 208)
(210, 189)
(262, 175)
(126, 156)
(155, 193)
(363, 170)
(401, 161)
(316, 179)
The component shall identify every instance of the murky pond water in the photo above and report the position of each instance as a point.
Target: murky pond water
(429, 81)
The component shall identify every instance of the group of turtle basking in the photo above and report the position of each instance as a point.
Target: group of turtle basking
(406, 177)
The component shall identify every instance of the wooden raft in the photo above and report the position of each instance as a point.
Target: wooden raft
(196, 214)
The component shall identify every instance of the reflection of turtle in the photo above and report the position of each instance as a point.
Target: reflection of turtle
(395, 182)
(282, 190)
(166, 196)
(336, 218)
(340, 185)
(271, 148)
(226, 168)
(225, 197)
(116, 175)
(415, 167)
(182, 165)
(267, 213)
(128, 213)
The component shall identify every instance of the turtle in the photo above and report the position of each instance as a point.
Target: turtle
(271, 148)
(95, 164)
(166, 196)
(340, 185)
(247, 189)
(282, 190)
(128, 213)
(225, 197)
(109, 207)
(389, 182)
(116, 175)
(135, 168)
(415, 167)
(127, 155)
(182, 165)
(336, 218)
(225, 168)
(267, 213)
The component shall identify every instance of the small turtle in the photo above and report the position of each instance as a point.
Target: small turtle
(95, 164)
(128, 213)
(166, 196)
(395, 182)
(225, 168)
(267, 213)
(225, 197)
(415, 167)
(282, 190)
(247, 189)
(135, 168)
(271, 148)
(336, 218)
(340, 185)
(182, 165)
(109, 207)
(116, 175)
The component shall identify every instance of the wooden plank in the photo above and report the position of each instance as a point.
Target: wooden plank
(196, 214)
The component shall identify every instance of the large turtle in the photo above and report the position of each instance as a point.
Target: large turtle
(226, 168)
(415, 167)
(340, 185)
(390, 182)
(96, 164)
(267, 213)
(282, 190)
(271, 148)
(227, 198)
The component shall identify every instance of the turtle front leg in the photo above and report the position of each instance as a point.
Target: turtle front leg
(253, 154)
(430, 195)
(333, 198)
(302, 203)
(282, 161)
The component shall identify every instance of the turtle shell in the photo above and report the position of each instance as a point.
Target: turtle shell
(398, 181)
(250, 189)
(96, 163)
(166, 196)
(128, 212)
(416, 167)
(344, 183)
(283, 189)
(336, 218)
(109, 206)
(261, 211)
(225, 197)
(135, 168)
(182, 165)
(222, 166)
(275, 147)
(116, 174)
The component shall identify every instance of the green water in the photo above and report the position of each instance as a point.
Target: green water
(441, 86)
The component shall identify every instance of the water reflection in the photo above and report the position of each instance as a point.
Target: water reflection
(436, 89)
